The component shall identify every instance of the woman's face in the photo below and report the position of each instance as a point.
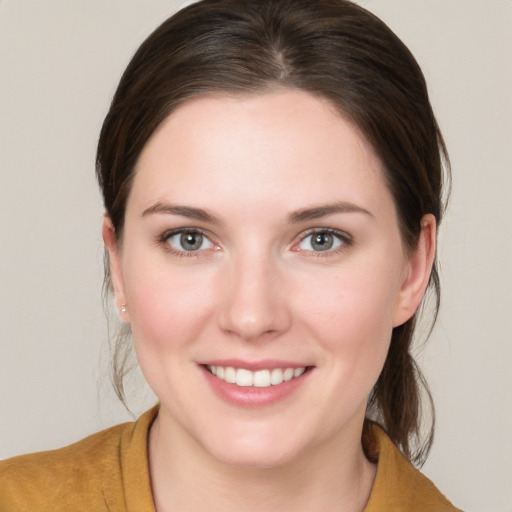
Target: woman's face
(261, 244)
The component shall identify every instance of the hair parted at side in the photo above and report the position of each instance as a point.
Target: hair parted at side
(330, 48)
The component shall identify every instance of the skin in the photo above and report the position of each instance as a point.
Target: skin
(256, 290)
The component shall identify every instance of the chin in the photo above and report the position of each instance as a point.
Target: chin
(256, 447)
(255, 456)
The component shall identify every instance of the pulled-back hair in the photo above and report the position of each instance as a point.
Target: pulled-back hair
(333, 49)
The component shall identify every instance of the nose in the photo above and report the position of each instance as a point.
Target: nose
(254, 305)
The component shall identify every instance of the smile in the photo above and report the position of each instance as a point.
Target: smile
(259, 379)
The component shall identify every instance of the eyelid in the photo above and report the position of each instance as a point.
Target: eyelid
(346, 241)
(345, 238)
(166, 235)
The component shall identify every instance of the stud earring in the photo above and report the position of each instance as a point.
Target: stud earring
(123, 308)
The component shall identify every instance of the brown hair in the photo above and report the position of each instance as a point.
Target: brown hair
(330, 48)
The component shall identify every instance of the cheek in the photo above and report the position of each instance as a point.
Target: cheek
(352, 300)
(169, 310)
(168, 307)
(351, 315)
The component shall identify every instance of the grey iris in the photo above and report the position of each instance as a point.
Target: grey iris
(322, 241)
(191, 241)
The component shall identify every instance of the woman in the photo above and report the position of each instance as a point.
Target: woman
(272, 179)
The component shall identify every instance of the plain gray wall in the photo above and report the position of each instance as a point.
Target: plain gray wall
(60, 61)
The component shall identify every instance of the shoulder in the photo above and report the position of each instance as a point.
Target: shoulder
(399, 486)
(46, 478)
(71, 478)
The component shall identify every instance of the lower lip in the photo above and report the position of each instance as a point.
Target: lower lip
(250, 396)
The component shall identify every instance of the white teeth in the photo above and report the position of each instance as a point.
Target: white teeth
(243, 377)
(298, 372)
(276, 376)
(260, 379)
(230, 375)
(288, 374)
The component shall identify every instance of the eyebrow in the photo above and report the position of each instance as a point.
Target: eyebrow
(324, 210)
(298, 216)
(183, 211)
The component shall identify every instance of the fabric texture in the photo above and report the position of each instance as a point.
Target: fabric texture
(108, 472)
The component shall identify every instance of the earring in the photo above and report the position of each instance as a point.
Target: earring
(123, 308)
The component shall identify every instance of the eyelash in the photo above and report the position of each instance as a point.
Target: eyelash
(345, 240)
(164, 238)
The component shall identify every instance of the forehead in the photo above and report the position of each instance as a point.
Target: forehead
(259, 149)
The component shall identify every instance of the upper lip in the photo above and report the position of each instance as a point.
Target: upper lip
(264, 364)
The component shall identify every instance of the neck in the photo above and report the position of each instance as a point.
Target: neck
(334, 476)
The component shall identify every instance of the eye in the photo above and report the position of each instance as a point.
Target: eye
(323, 240)
(188, 241)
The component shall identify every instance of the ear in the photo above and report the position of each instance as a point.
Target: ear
(116, 273)
(419, 266)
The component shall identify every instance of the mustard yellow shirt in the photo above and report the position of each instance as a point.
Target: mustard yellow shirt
(108, 472)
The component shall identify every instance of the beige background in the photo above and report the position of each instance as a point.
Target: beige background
(60, 61)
